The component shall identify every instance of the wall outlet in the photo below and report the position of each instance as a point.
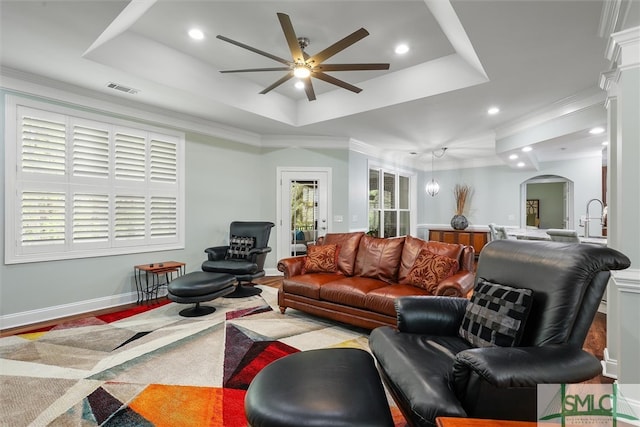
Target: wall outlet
(338, 218)
(511, 217)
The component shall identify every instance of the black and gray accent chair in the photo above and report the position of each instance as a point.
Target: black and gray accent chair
(244, 257)
(524, 325)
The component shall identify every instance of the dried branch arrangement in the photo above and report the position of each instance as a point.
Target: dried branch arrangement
(461, 192)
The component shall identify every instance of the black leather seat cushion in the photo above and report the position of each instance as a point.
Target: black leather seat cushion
(420, 365)
(236, 267)
(200, 286)
(327, 387)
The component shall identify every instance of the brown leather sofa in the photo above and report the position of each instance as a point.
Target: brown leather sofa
(370, 274)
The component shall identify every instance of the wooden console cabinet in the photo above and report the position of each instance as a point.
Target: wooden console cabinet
(475, 238)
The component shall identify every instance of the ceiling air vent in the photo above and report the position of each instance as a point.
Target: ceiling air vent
(121, 88)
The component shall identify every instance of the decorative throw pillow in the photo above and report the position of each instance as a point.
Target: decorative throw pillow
(240, 246)
(495, 315)
(430, 269)
(321, 259)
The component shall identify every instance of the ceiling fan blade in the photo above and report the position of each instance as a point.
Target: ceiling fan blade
(250, 70)
(292, 39)
(320, 57)
(308, 88)
(330, 79)
(278, 83)
(253, 49)
(350, 67)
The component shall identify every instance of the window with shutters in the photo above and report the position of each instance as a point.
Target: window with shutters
(81, 185)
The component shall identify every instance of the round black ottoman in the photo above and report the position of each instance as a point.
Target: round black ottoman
(323, 388)
(197, 287)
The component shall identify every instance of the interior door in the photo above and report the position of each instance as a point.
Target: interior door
(304, 209)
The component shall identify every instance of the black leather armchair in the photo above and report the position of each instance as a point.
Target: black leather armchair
(245, 269)
(431, 371)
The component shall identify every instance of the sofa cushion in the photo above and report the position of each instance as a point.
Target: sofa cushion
(496, 315)
(379, 258)
(430, 269)
(413, 246)
(321, 259)
(348, 243)
(382, 300)
(351, 291)
(308, 285)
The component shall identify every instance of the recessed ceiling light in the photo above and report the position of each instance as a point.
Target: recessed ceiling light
(520, 164)
(299, 84)
(401, 49)
(513, 157)
(493, 110)
(605, 142)
(526, 149)
(596, 131)
(196, 34)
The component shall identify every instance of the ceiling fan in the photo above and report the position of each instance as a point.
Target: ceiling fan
(306, 66)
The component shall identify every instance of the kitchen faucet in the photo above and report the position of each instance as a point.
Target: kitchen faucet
(589, 218)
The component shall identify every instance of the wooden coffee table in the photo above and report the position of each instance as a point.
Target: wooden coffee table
(475, 422)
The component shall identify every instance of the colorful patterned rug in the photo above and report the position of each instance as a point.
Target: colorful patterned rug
(152, 367)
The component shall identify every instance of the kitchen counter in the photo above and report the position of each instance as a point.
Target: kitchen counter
(541, 234)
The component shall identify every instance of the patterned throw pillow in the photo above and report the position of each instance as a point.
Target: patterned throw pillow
(495, 315)
(321, 259)
(430, 269)
(240, 246)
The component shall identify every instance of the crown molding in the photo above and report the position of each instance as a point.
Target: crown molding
(304, 141)
(624, 48)
(27, 84)
(570, 105)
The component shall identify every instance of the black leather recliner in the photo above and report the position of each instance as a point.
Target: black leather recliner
(245, 269)
(432, 372)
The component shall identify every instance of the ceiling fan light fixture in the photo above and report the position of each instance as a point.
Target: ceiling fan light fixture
(299, 84)
(301, 71)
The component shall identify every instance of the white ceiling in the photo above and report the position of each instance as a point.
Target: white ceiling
(539, 61)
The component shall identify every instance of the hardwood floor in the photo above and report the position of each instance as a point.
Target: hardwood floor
(594, 343)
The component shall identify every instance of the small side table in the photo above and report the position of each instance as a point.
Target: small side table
(149, 277)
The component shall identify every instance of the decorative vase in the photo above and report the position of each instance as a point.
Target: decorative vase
(459, 222)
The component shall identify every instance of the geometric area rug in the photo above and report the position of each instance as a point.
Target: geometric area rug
(154, 367)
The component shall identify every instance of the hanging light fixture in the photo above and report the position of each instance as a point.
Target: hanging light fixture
(433, 187)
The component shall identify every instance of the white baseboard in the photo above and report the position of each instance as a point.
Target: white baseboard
(609, 365)
(56, 312)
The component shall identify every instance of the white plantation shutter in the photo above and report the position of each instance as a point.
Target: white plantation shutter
(164, 215)
(43, 218)
(90, 218)
(43, 146)
(163, 161)
(130, 217)
(87, 187)
(90, 152)
(130, 157)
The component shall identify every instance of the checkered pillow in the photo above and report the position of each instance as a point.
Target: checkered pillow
(495, 315)
(239, 247)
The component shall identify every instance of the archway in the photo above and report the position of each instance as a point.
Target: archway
(547, 202)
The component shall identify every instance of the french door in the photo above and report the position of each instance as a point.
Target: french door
(304, 206)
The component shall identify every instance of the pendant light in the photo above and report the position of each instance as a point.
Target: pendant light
(433, 187)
